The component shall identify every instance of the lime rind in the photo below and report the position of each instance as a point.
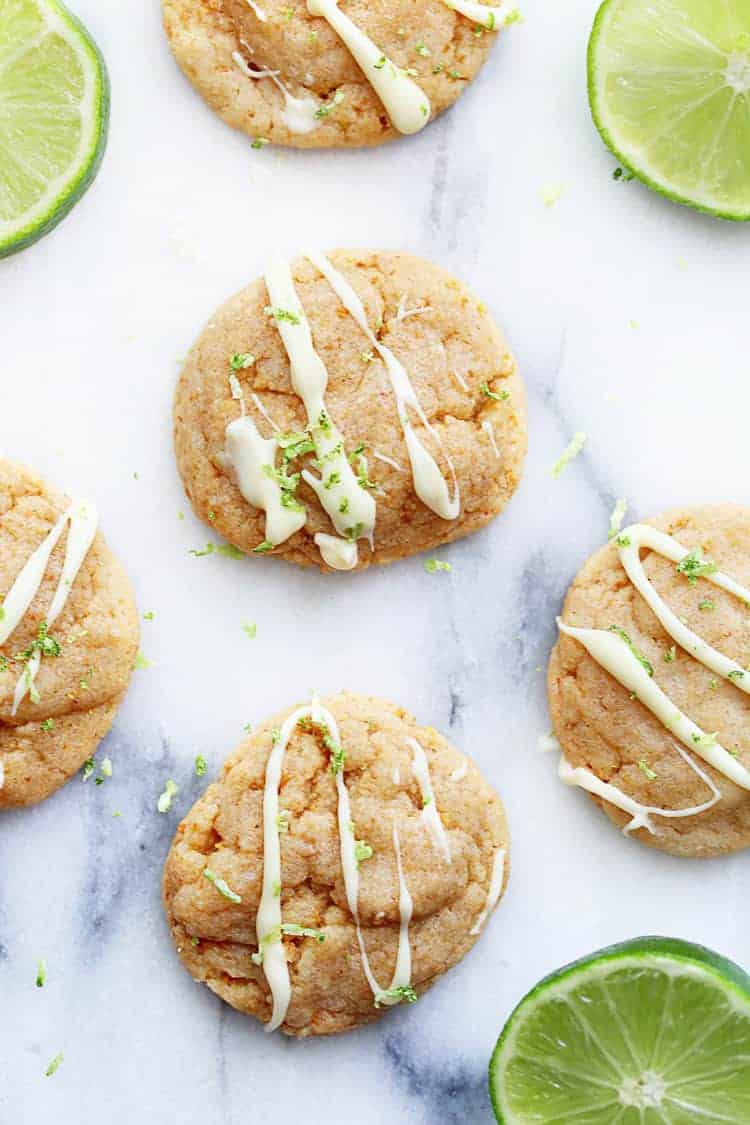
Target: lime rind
(592, 1080)
(706, 59)
(64, 191)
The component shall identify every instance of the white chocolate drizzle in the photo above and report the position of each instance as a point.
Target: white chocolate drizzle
(350, 868)
(269, 921)
(460, 773)
(490, 18)
(337, 553)
(429, 483)
(402, 312)
(615, 655)
(402, 972)
(430, 814)
(300, 114)
(489, 430)
(258, 11)
(237, 393)
(347, 503)
(405, 102)
(641, 535)
(337, 487)
(493, 894)
(251, 455)
(388, 461)
(640, 814)
(81, 520)
(264, 413)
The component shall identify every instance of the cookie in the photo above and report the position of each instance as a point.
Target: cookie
(344, 860)
(317, 74)
(648, 682)
(349, 409)
(68, 636)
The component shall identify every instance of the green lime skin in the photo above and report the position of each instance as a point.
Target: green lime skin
(729, 978)
(86, 174)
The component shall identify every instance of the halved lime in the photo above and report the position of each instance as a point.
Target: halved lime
(669, 87)
(54, 111)
(651, 1032)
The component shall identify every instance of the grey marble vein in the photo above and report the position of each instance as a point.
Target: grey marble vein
(452, 1092)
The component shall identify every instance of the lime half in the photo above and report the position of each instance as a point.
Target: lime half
(652, 1032)
(669, 86)
(54, 110)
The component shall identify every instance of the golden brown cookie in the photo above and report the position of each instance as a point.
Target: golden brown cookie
(610, 729)
(53, 717)
(309, 91)
(470, 415)
(414, 801)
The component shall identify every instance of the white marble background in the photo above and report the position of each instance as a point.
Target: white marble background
(629, 318)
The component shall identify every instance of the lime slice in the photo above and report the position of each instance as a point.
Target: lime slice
(652, 1032)
(669, 86)
(54, 110)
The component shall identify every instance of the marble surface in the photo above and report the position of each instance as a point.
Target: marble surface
(629, 319)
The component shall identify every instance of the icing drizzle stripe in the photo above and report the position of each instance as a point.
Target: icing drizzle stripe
(300, 115)
(490, 431)
(641, 535)
(249, 454)
(402, 972)
(268, 920)
(22, 592)
(336, 553)
(81, 519)
(641, 814)
(337, 487)
(488, 17)
(615, 656)
(430, 814)
(493, 893)
(405, 102)
(428, 480)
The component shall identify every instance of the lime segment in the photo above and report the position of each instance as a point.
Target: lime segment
(54, 106)
(652, 1032)
(669, 87)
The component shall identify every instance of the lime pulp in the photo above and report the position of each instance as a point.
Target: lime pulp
(54, 111)
(655, 1031)
(669, 88)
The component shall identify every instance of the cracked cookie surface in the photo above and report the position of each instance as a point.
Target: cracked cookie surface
(215, 937)
(80, 689)
(602, 728)
(310, 59)
(451, 349)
